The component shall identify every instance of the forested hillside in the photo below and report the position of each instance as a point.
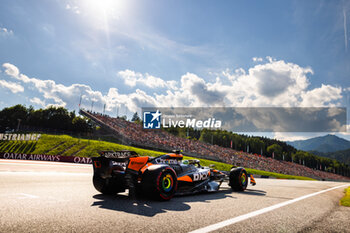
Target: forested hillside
(341, 156)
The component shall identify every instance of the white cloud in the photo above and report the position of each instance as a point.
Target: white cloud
(11, 70)
(132, 78)
(274, 83)
(287, 136)
(74, 9)
(59, 93)
(68, 96)
(257, 59)
(37, 101)
(347, 133)
(13, 87)
(322, 96)
(5, 32)
(200, 92)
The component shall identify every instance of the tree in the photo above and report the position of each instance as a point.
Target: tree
(53, 118)
(80, 124)
(206, 136)
(276, 149)
(135, 118)
(9, 117)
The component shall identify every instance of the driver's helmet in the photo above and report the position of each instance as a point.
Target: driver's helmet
(185, 162)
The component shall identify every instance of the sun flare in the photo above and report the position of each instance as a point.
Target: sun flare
(104, 8)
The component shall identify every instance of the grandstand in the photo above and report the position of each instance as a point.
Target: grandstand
(130, 133)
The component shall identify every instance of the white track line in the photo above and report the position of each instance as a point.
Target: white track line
(234, 220)
(26, 195)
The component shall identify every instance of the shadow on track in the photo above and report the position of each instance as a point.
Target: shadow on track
(255, 192)
(146, 207)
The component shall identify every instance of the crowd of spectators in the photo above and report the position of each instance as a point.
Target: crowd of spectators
(136, 135)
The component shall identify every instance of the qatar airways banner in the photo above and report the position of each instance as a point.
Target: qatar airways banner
(54, 158)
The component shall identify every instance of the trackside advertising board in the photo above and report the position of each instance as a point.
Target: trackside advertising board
(53, 158)
(19, 137)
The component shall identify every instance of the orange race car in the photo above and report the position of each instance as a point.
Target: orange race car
(161, 177)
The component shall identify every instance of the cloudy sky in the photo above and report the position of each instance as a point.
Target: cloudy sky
(132, 54)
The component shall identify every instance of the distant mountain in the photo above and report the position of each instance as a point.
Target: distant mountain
(325, 144)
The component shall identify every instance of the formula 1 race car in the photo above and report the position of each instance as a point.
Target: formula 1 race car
(161, 177)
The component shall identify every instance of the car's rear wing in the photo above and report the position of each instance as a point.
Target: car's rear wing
(111, 160)
(118, 156)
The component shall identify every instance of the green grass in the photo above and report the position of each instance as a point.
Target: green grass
(53, 145)
(345, 201)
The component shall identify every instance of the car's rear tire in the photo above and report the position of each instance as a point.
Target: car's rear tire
(107, 186)
(160, 184)
(238, 179)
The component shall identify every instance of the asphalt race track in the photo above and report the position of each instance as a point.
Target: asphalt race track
(59, 197)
